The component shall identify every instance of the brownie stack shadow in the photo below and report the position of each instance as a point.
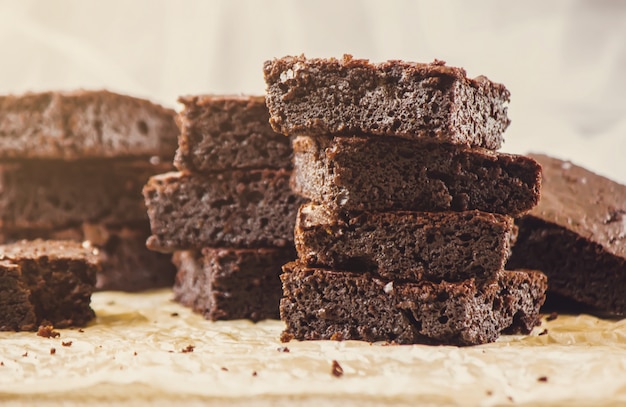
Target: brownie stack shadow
(72, 165)
(410, 219)
(228, 214)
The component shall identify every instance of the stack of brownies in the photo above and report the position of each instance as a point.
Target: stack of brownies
(72, 166)
(411, 214)
(228, 215)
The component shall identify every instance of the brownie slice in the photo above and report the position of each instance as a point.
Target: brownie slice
(577, 236)
(417, 101)
(326, 304)
(126, 264)
(406, 246)
(46, 281)
(244, 209)
(226, 284)
(361, 173)
(84, 124)
(54, 194)
(220, 133)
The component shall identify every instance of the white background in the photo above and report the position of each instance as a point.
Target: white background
(563, 61)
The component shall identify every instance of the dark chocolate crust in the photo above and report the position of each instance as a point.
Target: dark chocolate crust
(126, 264)
(382, 174)
(577, 236)
(84, 124)
(55, 194)
(245, 209)
(325, 304)
(405, 246)
(222, 133)
(46, 281)
(430, 102)
(226, 284)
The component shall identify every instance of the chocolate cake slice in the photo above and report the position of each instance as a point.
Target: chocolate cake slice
(405, 246)
(376, 174)
(46, 281)
(55, 194)
(429, 102)
(577, 236)
(226, 284)
(245, 209)
(84, 124)
(327, 304)
(221, 133)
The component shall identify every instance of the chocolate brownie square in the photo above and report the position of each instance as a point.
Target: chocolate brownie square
(222, 133)
(46, 281)
(430, 102)
(244, 209)
(405, 246)
(85, 124)
(384, 174)
(328, 304)
(56, 194)
(226, 284)
(577, 236)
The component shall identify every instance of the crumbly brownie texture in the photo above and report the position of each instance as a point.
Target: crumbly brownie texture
(405, 246)
(244, 209)
(84, 124)
(325, 304)
(220, 133)
(53, 194)
(226, 284)
(126, 263)
(577, 236)
(361, 173)
(49, 281)
(430, 102)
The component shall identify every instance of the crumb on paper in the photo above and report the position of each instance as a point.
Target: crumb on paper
(47, 331)
(188, 349)
(224, 369)
(53, 351)
(543, 379)
(283, 349)
(552, 316)
(489, 392)
(81, 330)
(544, 332)
(174, 314)
(25, 354)
(337, 370)
(135, 353)
(66, 344)
(254, 374)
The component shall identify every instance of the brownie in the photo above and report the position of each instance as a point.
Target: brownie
(405, 246)
(577, 236)
(53, 194)
(383, 174)
(347, 96)
(245, 209)
(339, 305)
(221, 133)
(46, 281)
(84, 124)
(226, 284)
(126, 263)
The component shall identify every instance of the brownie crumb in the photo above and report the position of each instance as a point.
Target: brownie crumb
(53, 351)
(66, 344)
(224, 369)
(134, 353)
(47, 331)
(489, 393)
(174, 314)
(337, 370)
(188, 349)
(552, 316)
(254, 373)
(25, 354)
(542, 379)
(510, 398)
(283, 349)
(81, 330)
(1, 363)
(544, 332)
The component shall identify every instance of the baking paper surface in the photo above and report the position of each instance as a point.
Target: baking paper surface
(133, 353)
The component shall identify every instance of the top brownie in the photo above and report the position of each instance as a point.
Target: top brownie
(84, 124)
(221, 133)
(431, 102)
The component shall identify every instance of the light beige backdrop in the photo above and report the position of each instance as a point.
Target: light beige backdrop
(564, 61)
